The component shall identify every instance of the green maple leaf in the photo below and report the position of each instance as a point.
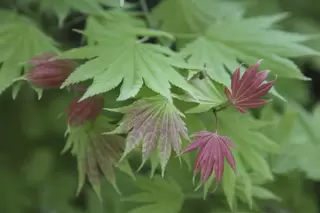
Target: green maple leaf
(130, 62)
(155, 122)
(250, 142)
(245, 186)
(247, 40)
(15, 49)
(194, 15)
(95, 152)
(162, 195)
(208, 94)
(62, 8)
(118, 23)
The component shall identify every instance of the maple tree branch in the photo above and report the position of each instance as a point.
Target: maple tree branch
(217, 121)
(145, 9)
(222, 106)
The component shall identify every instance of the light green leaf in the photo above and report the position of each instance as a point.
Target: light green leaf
(244, 131)
(251, 144)
(255, 161)
(118, 24)
(229, 185)
(15, 49)
(208, 95)
(163, 195)
(244, 181)
(220, 50)
(62, 8)
(263, 193)
(143, 63)
(195, 15)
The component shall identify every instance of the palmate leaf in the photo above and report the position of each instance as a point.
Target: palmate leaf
(154, 122)
(113, 23)
(251, 144)
(161, 195)
(245, 188)
(62, 8)
(15, 49)
(118, 24)
(96, 152)
(208, 94)
(299, 150)
(251, 192)
(219, 49)
(194, 15)
(130, 62)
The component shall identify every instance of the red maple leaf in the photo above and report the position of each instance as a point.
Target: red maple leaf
(213, 150)
(246, 91)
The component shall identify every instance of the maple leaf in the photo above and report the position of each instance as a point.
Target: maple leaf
(95, 152)
(246, 91)
(62, 8)
(144, 63)
(213, 150)
(15, 49)
(208, 95)
(152, 121)
(160, 195)
(116, 23)
(244, 131)
(219, 49)
(195, 15)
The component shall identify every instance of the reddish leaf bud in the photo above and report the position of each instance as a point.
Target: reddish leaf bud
(86, 110)
(49, 74)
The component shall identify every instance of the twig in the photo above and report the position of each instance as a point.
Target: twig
(217, 121)
(145, 10)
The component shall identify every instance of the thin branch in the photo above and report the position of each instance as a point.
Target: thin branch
(217, 121)
(145, 9)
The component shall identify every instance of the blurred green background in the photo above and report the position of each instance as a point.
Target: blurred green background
(36, 178)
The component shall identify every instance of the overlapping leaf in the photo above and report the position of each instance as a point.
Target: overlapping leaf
(114, 23)
(247, 40)
(95, 152)
(16, 49)
(62, 8)
(252, 144)
(194, 15)
(156, 123)
(130, 62)
(300, 147)
(160, 194)
(208, 94)
(245, 133)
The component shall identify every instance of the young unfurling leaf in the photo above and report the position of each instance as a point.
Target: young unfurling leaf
(245, 92)
(95, 152)
(154, 122)
(87, 110)
(213, 150)
(48, 73)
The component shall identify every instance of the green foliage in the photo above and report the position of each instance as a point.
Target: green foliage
(145, 63)
(165, 70)
(62, 8)
(17, 49)
(163, 195)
